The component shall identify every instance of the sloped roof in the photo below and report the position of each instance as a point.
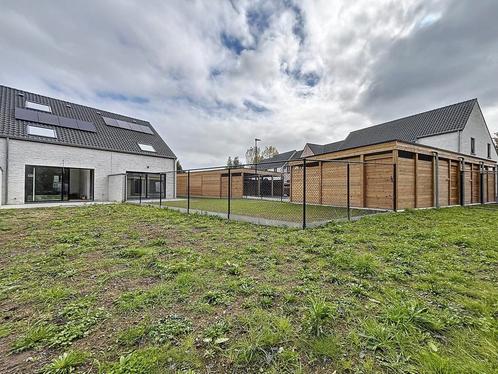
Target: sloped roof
(433, 122)
(105, 138)
(277, 161)
(325, 148)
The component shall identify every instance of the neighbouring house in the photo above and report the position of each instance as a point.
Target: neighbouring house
(281, 164)
(441, 157)
(52, 150)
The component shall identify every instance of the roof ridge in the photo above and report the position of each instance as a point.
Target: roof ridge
(73, 103)
(413, 115)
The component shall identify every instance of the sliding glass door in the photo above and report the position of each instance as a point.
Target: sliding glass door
(47, 183)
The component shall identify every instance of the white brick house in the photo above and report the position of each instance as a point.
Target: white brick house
(52, 150)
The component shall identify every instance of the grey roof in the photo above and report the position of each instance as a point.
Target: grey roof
(277, 161)
(437, 121)
(105, 138)
(325, 148)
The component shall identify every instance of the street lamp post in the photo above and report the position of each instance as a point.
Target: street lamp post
(256, 140)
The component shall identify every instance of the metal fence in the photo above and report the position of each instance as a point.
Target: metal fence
(303, 193)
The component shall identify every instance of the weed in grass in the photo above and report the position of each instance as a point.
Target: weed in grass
(161, 294)
(133, 335)
(408, 314)
(65, 363)
(216, 297)
(169, 329)
(35, 336)
(78, 319)
(266, 337)
(232, 268)
(136, 252)
(54, 294)
(325, 348)
(319, 315)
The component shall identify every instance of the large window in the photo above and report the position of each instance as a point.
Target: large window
(145, 186)
(47, 183)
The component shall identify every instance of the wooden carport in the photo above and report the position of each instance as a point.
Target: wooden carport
(214, 182)
(394, 175)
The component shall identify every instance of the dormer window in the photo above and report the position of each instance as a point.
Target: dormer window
(36, 106)
(146, 147)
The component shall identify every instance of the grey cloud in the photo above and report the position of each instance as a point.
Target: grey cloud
(452, 59)
(287, 71)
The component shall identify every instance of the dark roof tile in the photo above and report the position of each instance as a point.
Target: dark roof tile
(106, 138)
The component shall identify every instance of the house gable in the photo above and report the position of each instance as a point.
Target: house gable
(477, 128)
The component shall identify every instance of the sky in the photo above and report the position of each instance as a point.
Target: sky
(212, 75)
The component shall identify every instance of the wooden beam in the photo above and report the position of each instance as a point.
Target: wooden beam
(395, 185)
(320, 183)
(363, 185)
(415, 192)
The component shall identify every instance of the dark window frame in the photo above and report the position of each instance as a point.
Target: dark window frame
(472, 146)
(64, 173)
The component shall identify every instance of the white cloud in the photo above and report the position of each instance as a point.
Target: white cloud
(212, 75)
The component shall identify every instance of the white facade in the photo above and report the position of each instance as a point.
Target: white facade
(109, 168)
(460, 141)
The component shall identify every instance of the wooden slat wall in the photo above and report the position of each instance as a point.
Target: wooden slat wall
(475, 184)
(491, 185)
(181, 184)
(468, 183)
(406, 182)
(379, 183)
(443, 179)
(425, 185)
(334, 189)
(455, 183)
(313, 184)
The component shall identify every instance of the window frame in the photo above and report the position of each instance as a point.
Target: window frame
(38, 106)
(489, 150)
(472, 146)
(40, 133)
(144, 147)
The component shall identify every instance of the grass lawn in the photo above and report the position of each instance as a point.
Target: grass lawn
(136, 289)
(274, 210)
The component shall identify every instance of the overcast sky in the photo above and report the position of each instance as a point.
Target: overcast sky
(212, 75)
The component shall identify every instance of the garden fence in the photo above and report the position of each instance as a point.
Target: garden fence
(311, 192)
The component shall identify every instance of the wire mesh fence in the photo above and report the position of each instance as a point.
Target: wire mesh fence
(303, 193)
(311, 192)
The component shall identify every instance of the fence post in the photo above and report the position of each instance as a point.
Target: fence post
(436, 179)
(348, 178)
(188, 191)
(140, 189)
(281, 187)
(229, 190)
(304, 193)
(481, 182)
(160, 190)
(462, 182)
(395, 190)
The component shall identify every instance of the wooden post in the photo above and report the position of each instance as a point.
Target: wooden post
(304, 193)
(462, 182)
(363, 192)
(415, 191)
(395, 176)
(449, 182)
(320, 192)
(435, 173)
